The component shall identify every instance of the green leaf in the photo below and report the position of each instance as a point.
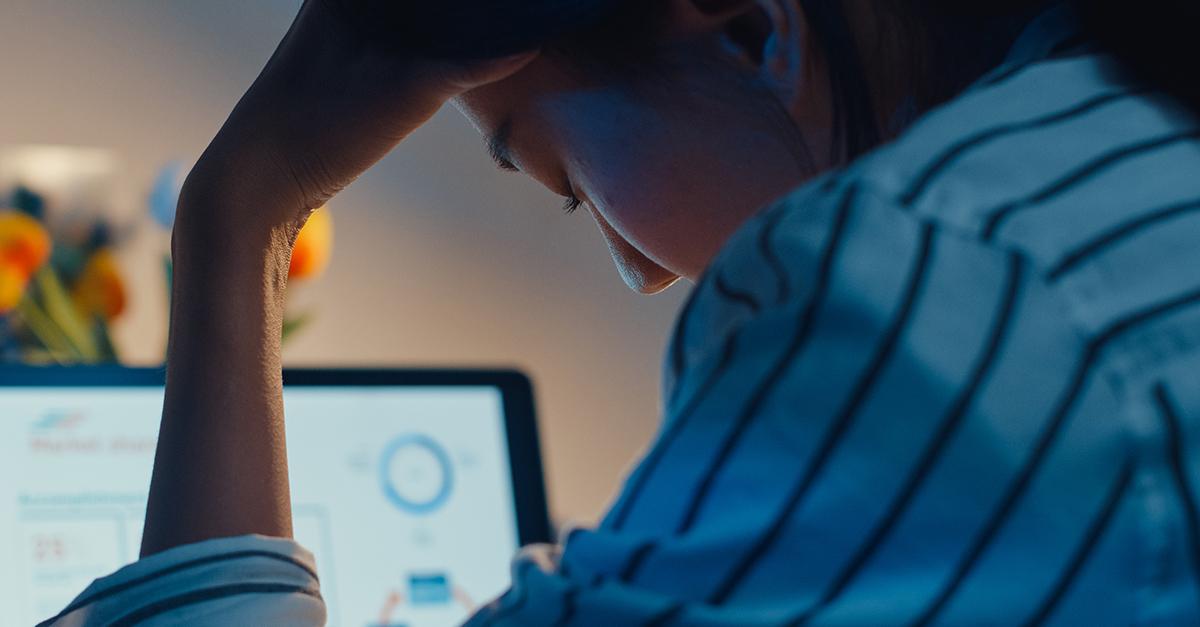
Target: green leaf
(169, 266)
(107, 350)
(46, 332)
(292, 325)
(62, 311)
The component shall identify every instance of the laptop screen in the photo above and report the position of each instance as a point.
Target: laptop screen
(404, 494)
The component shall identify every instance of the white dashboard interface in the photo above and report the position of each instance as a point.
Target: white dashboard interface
(404, 495)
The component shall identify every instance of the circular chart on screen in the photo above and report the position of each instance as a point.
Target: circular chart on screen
(416, 474)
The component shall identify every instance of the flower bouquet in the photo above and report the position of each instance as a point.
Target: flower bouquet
(56, 298)
(61, 286)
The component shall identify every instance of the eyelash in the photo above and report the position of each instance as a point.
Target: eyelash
(571, 205)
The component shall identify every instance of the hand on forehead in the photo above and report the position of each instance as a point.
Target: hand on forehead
(469, 29)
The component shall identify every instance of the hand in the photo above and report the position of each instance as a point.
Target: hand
(326, 107)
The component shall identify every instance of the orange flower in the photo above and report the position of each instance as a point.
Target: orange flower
(24, 243)
(313, 246)
(12, 286)
(100, 291)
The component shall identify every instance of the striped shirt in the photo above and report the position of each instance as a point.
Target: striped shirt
(954, 383)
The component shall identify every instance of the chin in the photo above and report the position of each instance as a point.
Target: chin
(639, 272)
(647, 281)
(650, 290)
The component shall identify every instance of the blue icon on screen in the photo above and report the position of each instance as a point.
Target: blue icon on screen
(416, 474)
(429, 589)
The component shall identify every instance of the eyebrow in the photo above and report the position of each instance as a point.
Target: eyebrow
(497, 146)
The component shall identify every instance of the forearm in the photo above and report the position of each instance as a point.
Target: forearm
(221, 465)
(324, 110)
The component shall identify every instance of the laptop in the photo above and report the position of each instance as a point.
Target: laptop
(414, 489)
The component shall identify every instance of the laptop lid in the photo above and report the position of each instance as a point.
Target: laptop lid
(414, 489)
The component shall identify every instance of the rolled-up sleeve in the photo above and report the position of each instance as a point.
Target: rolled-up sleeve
(247, 580)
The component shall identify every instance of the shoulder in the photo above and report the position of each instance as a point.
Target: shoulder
(1026, 169)
(1033, 137)
(944, 173)
(835, 266)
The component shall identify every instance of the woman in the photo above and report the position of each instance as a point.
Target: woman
(945, 376)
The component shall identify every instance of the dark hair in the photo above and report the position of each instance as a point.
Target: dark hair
(1156, 39)
(930, 36)
(949, 43)
(468, 29)
(623, 38)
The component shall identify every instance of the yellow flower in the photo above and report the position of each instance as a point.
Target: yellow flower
(12, 286)
(24, 243)
(313, 246)
(100, 291)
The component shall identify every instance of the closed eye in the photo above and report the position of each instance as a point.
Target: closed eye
(571, 205)
(497, 147)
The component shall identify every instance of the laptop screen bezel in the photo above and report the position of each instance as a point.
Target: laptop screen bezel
(516, 390)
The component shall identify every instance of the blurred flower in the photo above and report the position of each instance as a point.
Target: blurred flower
(164, 195)
(24, 243)
(26, 200)
(100, 237)
(99, 290)
(12, 286)
(311, 253)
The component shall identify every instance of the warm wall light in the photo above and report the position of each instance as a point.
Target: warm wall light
(66, 175)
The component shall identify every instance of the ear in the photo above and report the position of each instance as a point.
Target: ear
(769, 37)
(693, 17)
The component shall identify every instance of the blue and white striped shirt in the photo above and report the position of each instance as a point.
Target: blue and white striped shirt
(957, 383)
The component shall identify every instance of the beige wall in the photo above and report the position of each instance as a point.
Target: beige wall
(440, 260)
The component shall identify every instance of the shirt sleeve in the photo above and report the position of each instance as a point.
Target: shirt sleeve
(247, 580)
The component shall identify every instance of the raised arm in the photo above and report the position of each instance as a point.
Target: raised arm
(325, 108)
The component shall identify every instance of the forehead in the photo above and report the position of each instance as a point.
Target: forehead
(485, 107)
(489, 106)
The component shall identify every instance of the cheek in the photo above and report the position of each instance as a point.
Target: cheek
(620, 160)
(672, 181)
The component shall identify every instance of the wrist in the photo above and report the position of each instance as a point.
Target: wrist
(232, 233)
(242, 184)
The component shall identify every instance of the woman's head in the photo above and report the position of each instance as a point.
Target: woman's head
(673, 121)
(668, 144)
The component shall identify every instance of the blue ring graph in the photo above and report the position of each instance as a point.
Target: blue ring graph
(430, 446)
